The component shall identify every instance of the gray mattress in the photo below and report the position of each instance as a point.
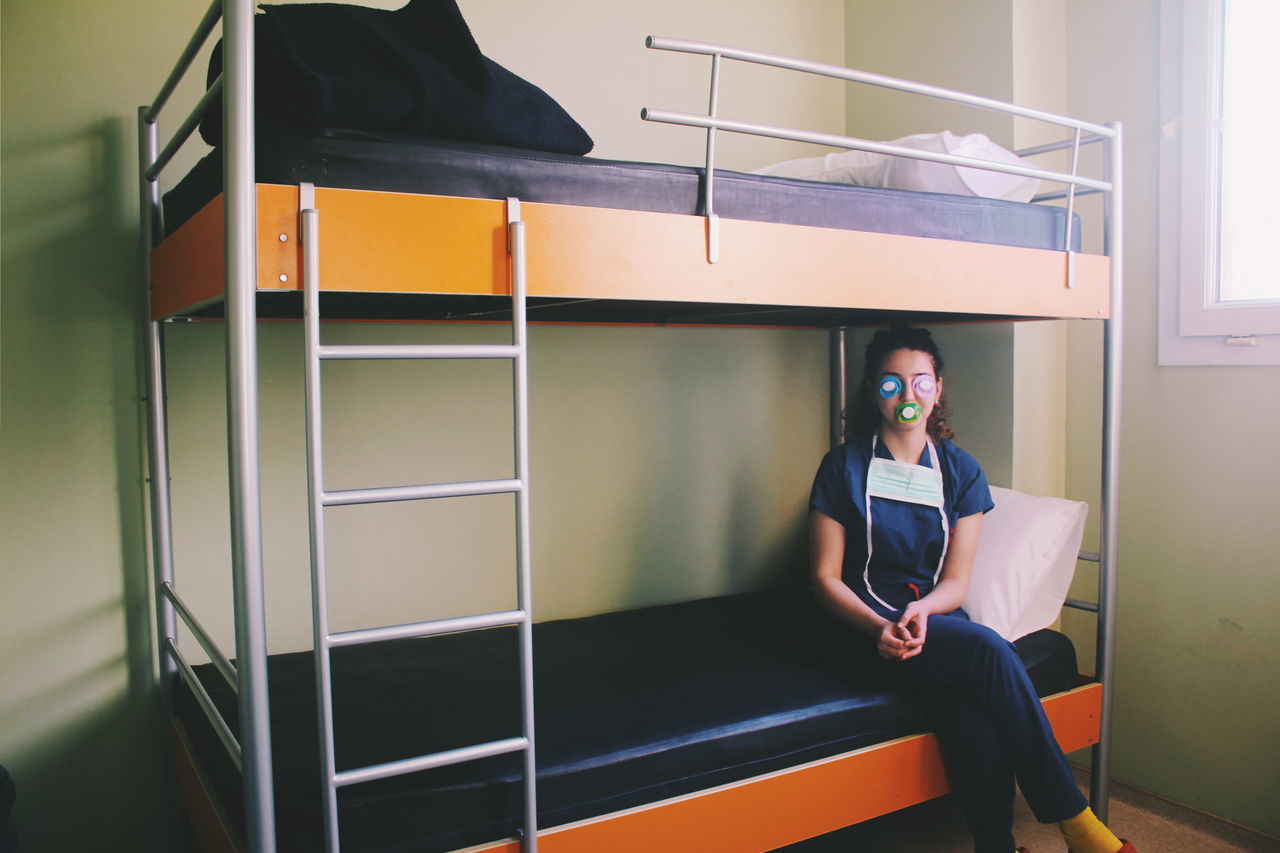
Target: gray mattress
(398, 163)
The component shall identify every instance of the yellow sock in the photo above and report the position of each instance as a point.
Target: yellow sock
(1084, 833)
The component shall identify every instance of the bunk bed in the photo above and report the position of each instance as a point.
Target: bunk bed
(677, 747)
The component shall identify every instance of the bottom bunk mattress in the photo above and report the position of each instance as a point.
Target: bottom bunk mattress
(631, 707)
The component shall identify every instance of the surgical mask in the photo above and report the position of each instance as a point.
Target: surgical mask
(902, 481)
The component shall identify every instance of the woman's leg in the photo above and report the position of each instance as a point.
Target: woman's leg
(960, 655)
(978, 767)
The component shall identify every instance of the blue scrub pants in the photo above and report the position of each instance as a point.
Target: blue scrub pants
(990, 724)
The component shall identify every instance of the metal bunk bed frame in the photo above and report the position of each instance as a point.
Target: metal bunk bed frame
(248, 676)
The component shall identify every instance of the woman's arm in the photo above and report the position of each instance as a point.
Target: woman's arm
(826, 561)
(953, 584)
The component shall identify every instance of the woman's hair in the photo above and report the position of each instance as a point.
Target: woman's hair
(864, 417)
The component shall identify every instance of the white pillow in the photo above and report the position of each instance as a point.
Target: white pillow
(1025, 561)
(866, 169)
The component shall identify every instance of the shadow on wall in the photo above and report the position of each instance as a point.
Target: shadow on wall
(724, 512)
(8, 832)
(72, 423)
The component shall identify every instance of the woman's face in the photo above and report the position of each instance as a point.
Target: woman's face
(906, 377)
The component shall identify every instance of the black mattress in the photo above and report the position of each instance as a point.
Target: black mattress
(390, 162)
(631, 707)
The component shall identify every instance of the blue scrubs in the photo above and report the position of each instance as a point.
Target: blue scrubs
(990, 724)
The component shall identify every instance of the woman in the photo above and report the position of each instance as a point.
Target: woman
(895, 517)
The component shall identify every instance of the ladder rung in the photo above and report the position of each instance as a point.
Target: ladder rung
(428, 762)
(414, 493)
(427, 629)
(393, 351)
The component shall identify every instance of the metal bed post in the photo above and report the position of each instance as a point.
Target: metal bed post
(709, 176)
(157, 424)
(1100, 781)
(839, 383)
(241, 256)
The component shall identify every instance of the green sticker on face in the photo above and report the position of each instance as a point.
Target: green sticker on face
(908, 413)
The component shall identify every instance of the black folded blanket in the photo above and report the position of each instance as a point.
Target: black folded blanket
(413, 70)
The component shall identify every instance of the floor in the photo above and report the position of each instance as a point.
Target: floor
(1153, 824)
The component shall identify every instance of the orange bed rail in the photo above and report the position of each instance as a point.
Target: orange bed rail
(403, 243)
(750, 816)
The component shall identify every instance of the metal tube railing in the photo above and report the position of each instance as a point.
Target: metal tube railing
(822, 68)
(390, 494)
(219, 660)
(184, 131)
(856, 144)
(220, 727)
(1060, 145)
(355, 352)
(1060, 194)
(161, 515)
(183, 64)
(1078, 604)
(240, 229)
(1113, 373)
(839, 383)
(432, 628)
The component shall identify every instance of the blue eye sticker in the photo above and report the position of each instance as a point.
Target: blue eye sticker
(890, 386)
(923, 385)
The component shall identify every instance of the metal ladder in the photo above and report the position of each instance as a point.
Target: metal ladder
(325, 641)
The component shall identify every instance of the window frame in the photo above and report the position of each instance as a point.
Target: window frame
(1195, 328)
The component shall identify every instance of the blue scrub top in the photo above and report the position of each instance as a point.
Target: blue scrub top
(907, 538)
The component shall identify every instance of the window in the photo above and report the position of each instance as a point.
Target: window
(1220, 183)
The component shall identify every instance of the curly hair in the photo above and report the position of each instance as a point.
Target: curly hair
(864, 417)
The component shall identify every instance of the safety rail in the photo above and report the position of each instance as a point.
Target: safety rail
(205, 702)
(219, 660)
(252, 752)
(712, 122)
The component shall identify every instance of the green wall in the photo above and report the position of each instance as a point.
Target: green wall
(76, 694)
(1198, 647)
(669, 463)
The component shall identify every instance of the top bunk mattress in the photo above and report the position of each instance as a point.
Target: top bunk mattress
(361, 160)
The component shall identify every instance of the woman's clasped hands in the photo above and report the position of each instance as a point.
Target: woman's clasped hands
(904, 639)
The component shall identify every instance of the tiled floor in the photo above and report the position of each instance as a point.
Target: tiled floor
(1153, 824)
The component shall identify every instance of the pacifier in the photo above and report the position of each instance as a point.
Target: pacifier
(890, 386)
(923, 385)
(909, 412)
